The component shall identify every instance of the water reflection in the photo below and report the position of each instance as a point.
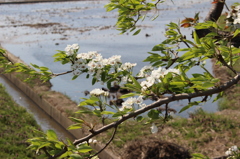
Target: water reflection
(44, 120)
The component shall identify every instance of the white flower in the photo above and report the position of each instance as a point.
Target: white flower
(92, 141)
(154, 128)
(127, 66)
(145, 85)
(116, 59)
(139, 100)
(144, 71)
(92, 64)
(128, 104)
(150, 80)
(75, 46)
(92, 54)
(234, 148)
(76, 72)
(98, 92)
(70, 49)
(142, 105)
(228, 152)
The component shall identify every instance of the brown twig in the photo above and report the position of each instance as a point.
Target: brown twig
(63, 73)
(110, 140)
(221, 59)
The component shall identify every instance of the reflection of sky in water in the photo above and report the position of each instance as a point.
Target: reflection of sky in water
(38, 45)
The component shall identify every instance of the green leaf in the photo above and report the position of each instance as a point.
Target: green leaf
(128, 95)
(97, 113)
(74, 77)
(51, 135)
(75, 126)
(237, 31)
(137, 32)
(196, 38)
(75, 156)
(155, 17)
(154, 114)
(94, 80)
(76, 120)
(139, 118)
(120, 113)
(199, 156)
(220, 95)
(84, 112)
(189, 105)
(84, 148)
(35, 66)
(107, 112)
(66, 154)
(135, 82)
(208, 84)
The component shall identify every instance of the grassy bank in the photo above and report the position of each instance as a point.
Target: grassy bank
(231, 99)
(16, 126)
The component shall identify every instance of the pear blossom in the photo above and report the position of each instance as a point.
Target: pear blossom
(156, 76)
(76, 72)
(144, 71)
(114, 60)
(92, 141)
(234, 148)
(233, 19)
(129, 103)
(71, 49)
(127, 66)
(142, 105)
(98, 92)
(232, 151)
(228, 152)
(139, 100)
(154, 128)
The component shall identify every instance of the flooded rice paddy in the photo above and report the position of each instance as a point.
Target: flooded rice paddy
(35, 31)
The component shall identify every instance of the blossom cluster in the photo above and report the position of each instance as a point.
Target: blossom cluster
(71, 49)
(233, 19)
(232, 152)
(99, 92)
(155, 76)
(145, 71)
(129, 103)
(93, 62)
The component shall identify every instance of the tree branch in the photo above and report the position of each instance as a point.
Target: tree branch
(154, 105)
(59, 74)
(113, 135)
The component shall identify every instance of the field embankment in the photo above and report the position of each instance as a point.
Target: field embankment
(16, 126)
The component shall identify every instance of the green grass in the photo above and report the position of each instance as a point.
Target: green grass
(16, 126)
(201, 122)
(231, 98)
